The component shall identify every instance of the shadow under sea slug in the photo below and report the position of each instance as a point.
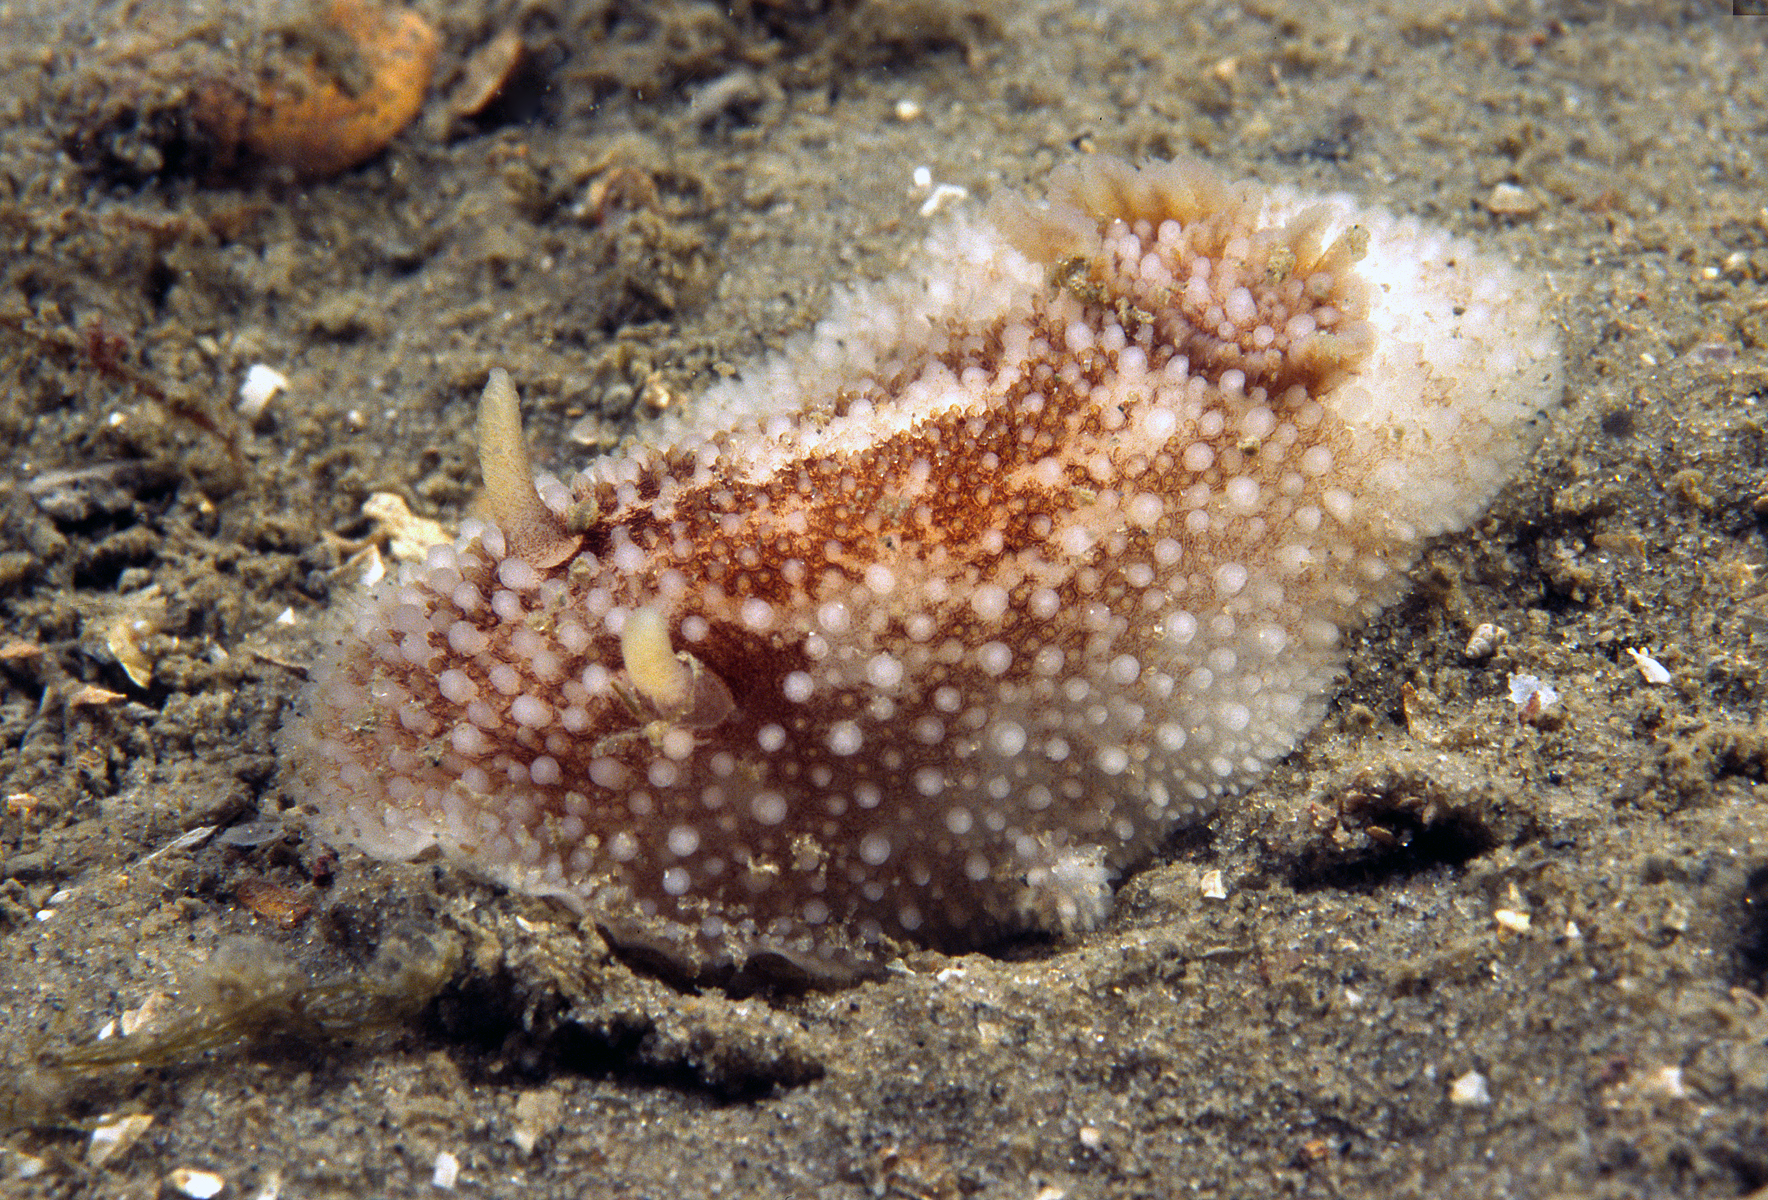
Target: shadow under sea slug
(926, 628)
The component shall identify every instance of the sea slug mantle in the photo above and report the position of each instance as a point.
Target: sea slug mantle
(926, 628)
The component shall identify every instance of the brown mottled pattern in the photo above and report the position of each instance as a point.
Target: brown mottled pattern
(996, 611)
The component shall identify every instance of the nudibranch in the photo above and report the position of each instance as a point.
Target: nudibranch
(926, 629)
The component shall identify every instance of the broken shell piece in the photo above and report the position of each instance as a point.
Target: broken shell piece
(148, 1013)
(138, 618)
(373, 569)
(113, 1136)
(316, 121)
(261, 384)
(409, 536)
(120, 639)
(538, 1112)
(487, 72)
(1509, 200)
(1666, 1083)
(1512, 920)
(91, 695)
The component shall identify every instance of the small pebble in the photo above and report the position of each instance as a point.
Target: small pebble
(1470, 1091)
(1212, 886)
(538, 1112)
(147, 1013)
(446, 1171)
(261, 384)
(1666, 1082)
(1512, 201)
(1509, 918)
(589, 431)
(203, 1185)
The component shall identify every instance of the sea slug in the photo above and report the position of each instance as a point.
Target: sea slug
(926, 629)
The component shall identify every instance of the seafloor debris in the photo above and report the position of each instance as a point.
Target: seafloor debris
(135, 619)
(251, 988)
(348, 101)
(1532, 696)
(258, 389)
(314, 94)
(1485, 641)
(484, 76)
(1650, 669)
(112, 1137)
(409, 536)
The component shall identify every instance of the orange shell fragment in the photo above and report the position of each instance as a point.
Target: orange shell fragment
(274, 902)
(309, 122)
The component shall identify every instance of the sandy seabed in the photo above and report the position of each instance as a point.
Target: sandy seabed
(1452, 952)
